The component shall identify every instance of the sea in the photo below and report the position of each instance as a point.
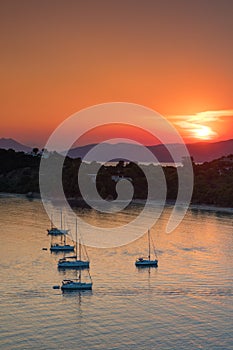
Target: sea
(184, 303)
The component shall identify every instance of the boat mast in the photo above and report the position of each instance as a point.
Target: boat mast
(80, 249)
(51, 221)
(149, 243)
(64, 240)
(61, 220)
(76, 240)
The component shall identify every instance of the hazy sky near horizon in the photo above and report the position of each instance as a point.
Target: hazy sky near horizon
(174, 56)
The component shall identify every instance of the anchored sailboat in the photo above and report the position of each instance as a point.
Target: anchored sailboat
(54, 231)
(75, 261)
(61, 247)
(76, 284)
(147, 261)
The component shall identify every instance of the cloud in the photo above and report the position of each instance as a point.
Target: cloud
(195, 124)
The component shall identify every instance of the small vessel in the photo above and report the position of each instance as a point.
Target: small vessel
(76, 284)
(61, 247)
(75, 261)
(56, 287)
(56, 247)
(147, 261)
(54, 231)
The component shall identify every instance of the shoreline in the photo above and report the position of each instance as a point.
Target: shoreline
(80, 202)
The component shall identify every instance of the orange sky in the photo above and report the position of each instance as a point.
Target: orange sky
(58, 57)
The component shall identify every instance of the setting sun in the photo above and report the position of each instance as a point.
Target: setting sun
(203, 132)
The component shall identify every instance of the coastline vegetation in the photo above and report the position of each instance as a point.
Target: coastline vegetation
(213, 181)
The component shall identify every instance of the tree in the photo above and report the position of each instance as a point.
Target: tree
(35, 151)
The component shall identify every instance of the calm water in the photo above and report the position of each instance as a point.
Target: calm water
(186, 303)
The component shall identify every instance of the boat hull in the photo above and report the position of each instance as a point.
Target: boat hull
(60, 248)
(78, 264)
(147, 263)
(57, 232)
(72, 286)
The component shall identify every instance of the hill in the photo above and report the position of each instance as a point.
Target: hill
(8, 143)
(200, 151)
(206, 151)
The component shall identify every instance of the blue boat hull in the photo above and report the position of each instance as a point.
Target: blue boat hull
(147, 263)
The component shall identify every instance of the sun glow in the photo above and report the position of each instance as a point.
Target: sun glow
(205, 125)
(203, 132)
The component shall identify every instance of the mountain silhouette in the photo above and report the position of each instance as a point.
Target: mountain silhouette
(8, 143)
(200, 151)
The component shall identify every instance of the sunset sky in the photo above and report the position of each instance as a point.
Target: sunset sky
(59, 56)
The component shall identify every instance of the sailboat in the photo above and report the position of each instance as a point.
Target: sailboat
(63, 247)
(54, 231)
(147, 261)
(75, 261)
(76, 284)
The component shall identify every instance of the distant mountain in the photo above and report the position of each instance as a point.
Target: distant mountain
(12, 144)
(200, 151)
(80, 152)
(206, 151)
